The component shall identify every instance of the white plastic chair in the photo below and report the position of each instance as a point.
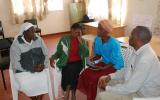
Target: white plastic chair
(153, 98)
(55, 74)
(15, 86)
(126, 51)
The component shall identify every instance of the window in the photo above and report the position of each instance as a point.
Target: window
(98, 9)
(55, 5)
(114, 10)
(19, 10)
(27, 9)
(22, 6)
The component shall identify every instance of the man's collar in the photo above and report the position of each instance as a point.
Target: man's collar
(142, 48)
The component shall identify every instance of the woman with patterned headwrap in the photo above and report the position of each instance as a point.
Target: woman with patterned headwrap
(107, 50)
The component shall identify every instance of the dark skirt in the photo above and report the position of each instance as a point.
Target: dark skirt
(70, 74)
(88, 80)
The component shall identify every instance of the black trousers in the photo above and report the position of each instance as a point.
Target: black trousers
(70, 74)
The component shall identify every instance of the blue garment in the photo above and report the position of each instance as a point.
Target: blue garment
(110, 51)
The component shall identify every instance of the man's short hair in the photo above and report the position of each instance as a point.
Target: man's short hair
(143, 33)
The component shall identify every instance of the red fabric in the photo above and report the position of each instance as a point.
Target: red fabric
(74, 56)
(88, 81)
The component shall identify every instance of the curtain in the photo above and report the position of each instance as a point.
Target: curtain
(27, 9)
(114, 10)
(98, 9)
(55, 5)
(117, 11)
(156, 23)
(84, 2)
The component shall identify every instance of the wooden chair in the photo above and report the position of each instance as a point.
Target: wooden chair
(159, 58)
(1, 30)
(4, 57)
(4, 64)
(4, 54)
(34, 22)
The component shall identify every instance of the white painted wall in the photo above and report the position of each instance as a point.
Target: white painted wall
(56, 21)
(5, 17)
(140, 8)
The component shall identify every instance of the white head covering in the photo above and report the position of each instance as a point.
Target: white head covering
(25, 26)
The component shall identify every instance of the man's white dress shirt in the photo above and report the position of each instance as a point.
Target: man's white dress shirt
(142, 75)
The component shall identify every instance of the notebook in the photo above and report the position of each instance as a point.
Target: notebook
(90, 63)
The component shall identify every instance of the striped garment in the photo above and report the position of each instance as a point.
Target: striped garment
(25, 56)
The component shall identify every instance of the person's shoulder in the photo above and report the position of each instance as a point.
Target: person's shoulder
(37, 38)
(18, 40)
(15, 44)
(148, 53)
(65, 36)
(114, 40)
(97, 38)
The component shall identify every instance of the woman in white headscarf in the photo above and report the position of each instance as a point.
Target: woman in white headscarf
(29, 61)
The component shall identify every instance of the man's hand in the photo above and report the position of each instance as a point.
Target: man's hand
(52, 62)
(39, 68)
(103, 81)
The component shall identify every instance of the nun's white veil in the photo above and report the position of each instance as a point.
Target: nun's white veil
(25, 26)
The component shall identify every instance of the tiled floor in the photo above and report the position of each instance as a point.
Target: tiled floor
(50, 42)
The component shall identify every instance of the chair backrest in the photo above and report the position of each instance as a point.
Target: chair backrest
(126, 51)
(33, 21)
(1, 30)
(4, 59)
(159, 58)
(4, 53)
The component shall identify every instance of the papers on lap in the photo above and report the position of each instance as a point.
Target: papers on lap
(92, 64)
